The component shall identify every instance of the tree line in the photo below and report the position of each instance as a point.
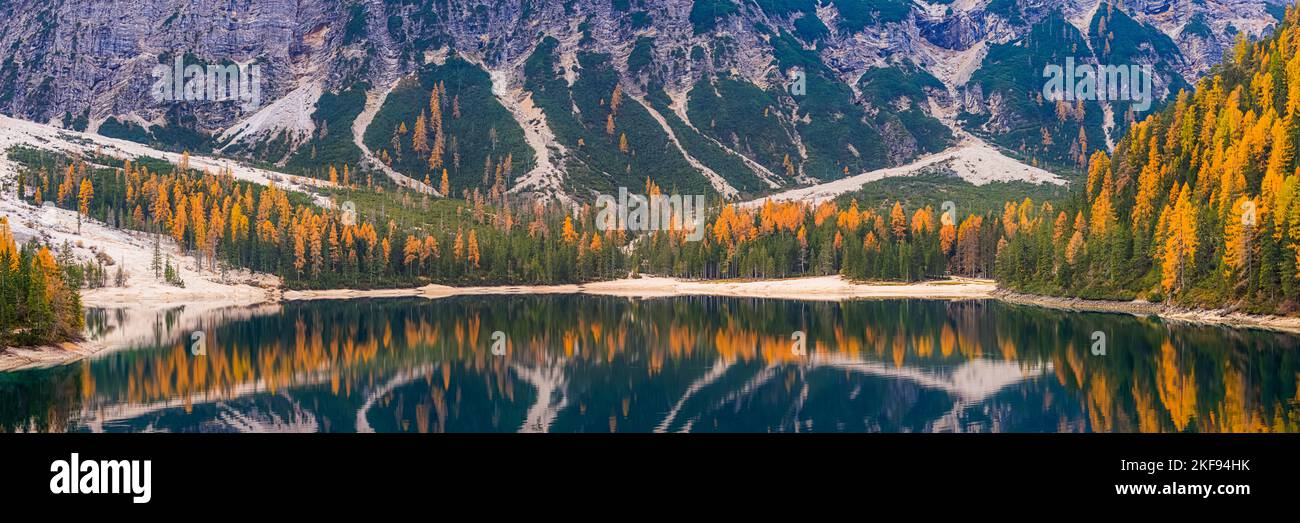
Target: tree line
(490, 239)
(786, 239)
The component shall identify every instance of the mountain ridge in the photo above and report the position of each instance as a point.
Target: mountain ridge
(875, 71)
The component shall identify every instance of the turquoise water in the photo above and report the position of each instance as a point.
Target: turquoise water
(605, 364)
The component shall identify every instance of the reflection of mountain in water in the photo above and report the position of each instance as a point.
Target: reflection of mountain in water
(602, 364)
(970, 383)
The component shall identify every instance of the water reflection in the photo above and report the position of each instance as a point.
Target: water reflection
(605, 364)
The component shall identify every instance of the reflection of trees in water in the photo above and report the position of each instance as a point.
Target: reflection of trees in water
(41, 401)
(1165, 377)
(625, 363)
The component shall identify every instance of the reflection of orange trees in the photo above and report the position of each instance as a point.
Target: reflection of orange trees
(925, 347)
(1168, 394)
(1177, 387)
(740, 345)
(228, 370)
(87, 380)
(1165, 389)
(1075, 358)
(438, 403)
(947, 340)
(1101, 404)
(605, 338)
(729, 337)
(1148, 416)
(1241, 410)
(632, 332)
(1233, 413)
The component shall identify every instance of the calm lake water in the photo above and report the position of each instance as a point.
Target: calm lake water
(690, 364)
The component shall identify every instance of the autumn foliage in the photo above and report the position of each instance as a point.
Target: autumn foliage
(1196, 206)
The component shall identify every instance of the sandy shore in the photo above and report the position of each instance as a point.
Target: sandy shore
(820, 288)
(1166, 312)
(14, 358)
(431, 291)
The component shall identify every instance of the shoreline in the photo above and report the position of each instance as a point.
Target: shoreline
(140, 319)
(1220, 317)
(40, 356)
(231, 295)
(813, 288)
(243, 296)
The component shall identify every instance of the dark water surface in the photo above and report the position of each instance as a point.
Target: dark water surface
(605, 364)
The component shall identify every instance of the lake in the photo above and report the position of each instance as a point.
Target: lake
(578, 363)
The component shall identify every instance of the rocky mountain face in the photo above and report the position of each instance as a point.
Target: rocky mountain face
(733, 97)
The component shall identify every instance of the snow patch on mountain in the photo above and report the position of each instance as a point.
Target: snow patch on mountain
(1082, 19)
(374, 100)
(547, 174)
(679, 101)
(717, 181)
(291, 113)
(973, 161)
(22, 132)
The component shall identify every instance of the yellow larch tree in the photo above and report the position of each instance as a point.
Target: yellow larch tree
(472, 248)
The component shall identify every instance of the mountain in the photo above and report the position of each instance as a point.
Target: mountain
(738, 98)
